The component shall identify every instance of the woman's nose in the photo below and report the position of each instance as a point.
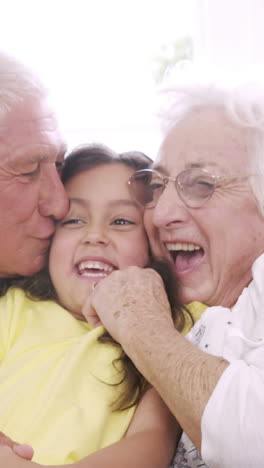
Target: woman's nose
(169, 208)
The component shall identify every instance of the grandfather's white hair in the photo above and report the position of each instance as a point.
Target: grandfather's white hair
(240, 96)
(17, 82)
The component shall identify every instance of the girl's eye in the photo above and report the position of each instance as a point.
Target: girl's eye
(73, 221)
(122, 222)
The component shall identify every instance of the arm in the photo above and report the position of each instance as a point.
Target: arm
(150, 442)
(138, 316)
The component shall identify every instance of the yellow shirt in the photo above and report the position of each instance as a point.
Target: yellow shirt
(53, 374)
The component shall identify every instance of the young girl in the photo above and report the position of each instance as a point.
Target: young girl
(65, 388)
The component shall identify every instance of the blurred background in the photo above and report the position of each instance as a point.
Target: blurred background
(103, 60)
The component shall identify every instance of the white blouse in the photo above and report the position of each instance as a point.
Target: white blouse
(232, 423)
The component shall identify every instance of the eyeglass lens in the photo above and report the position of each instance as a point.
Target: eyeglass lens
(194, 187)
(146, 187)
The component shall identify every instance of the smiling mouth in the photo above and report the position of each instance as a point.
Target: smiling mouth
(94, 269)
(185, 256)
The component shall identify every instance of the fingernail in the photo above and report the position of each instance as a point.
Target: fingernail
(24, 450)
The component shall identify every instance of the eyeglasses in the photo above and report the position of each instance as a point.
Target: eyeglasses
(194, 186)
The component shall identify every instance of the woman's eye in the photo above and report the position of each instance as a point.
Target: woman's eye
(122, 222)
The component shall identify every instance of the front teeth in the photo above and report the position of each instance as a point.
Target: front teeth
(181, 246)
(93, 274)
(103, 268)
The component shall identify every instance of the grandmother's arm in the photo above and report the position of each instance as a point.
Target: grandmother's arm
(138, 316)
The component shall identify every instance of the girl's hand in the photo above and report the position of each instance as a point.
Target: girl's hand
(9, 459)
(23, 450)
(92, 318)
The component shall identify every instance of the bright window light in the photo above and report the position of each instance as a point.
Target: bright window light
(102, 60)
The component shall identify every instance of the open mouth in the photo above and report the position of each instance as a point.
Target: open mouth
(94, 269)
(185, 256)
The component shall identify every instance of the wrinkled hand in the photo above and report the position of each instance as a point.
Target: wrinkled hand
(23, 450)
(128, 300)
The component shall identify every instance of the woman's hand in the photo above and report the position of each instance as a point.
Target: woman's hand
(128, 299)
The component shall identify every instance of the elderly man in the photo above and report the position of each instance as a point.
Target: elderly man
(32, 196)
(204, 205)
(31, 193)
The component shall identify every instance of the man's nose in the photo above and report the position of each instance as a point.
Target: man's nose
(53, 200)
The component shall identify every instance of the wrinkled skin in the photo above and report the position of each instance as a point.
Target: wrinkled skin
(219, 272)
(31, 193)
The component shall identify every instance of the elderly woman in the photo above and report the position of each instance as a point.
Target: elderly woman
(204, 205)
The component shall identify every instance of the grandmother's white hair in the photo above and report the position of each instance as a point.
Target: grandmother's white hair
(241, 97)
(17, 82)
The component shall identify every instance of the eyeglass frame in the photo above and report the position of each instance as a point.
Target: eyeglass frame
(216, 179)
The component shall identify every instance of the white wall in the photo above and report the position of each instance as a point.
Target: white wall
(229, 33)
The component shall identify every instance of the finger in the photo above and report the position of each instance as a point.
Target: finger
(6, 447)
(95, 321)
(5, 440)
(24, 451)
(91, 315)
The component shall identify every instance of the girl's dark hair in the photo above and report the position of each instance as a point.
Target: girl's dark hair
(87, 156)
(40, 287)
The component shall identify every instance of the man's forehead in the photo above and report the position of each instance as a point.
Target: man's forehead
(43, 132)
(28, 150)
(29, 112)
